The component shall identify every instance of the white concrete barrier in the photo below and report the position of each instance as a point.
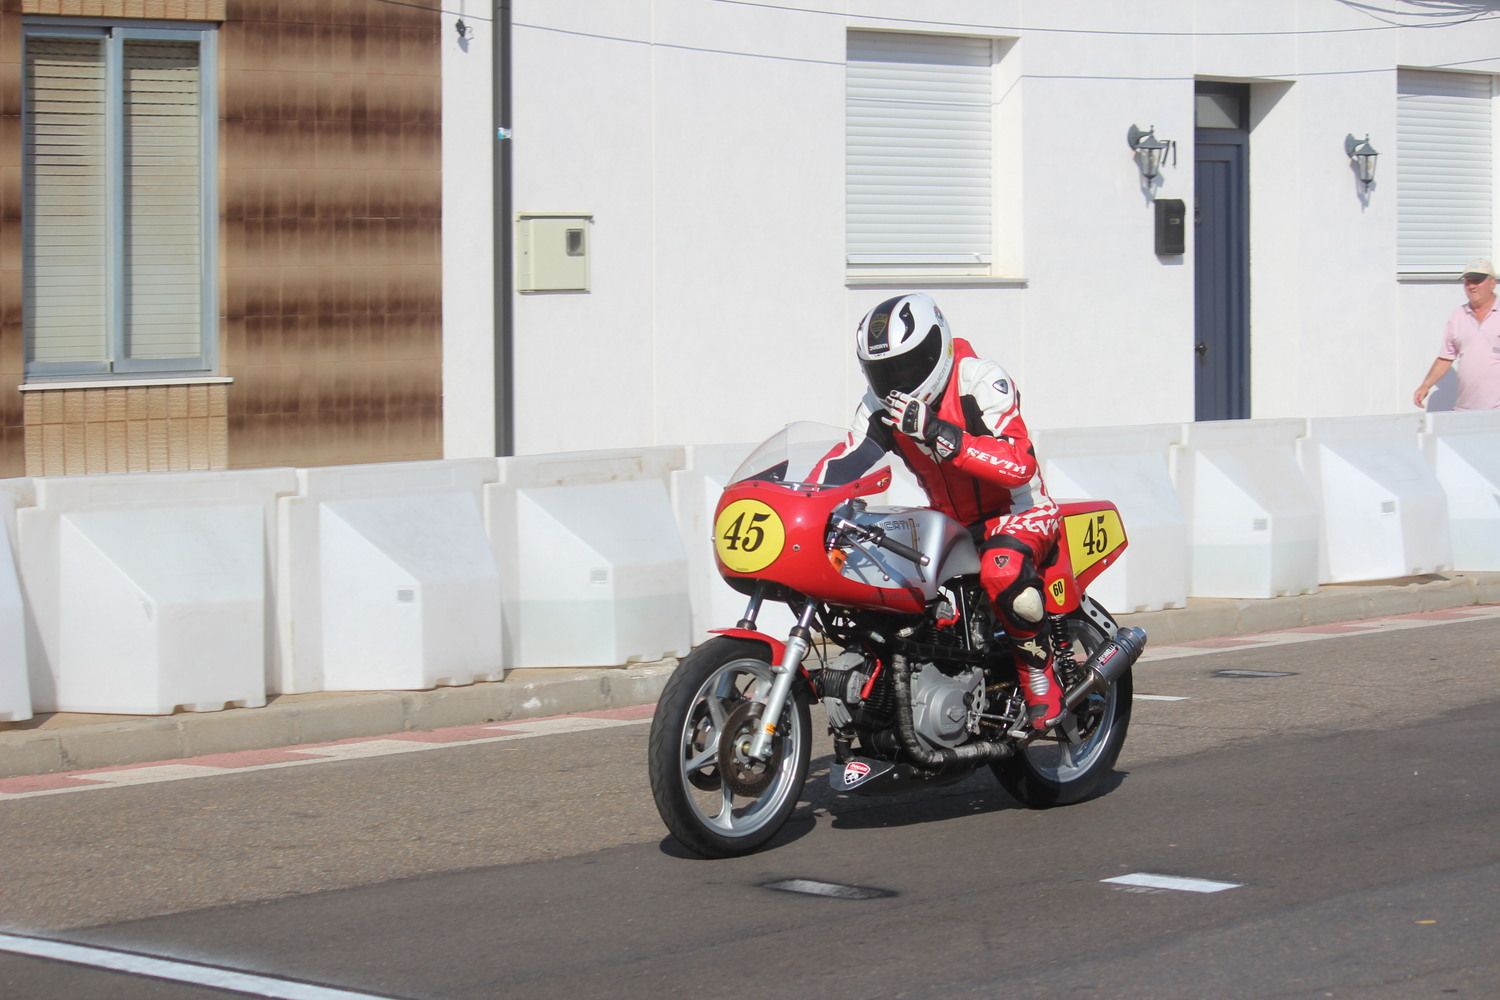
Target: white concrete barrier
(1129, 466)
(1384, 514)
(150, 592)
(593, 569)
(388, 578)
(1463, 450)
(15, 692)
(1252, 519)
(695, 494)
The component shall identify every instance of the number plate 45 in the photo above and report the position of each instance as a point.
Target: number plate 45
(748, 536)
(1092, 537)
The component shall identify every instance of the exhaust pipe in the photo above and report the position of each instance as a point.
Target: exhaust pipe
(1108, 664)
(967, 755)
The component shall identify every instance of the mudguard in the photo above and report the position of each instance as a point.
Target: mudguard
(777, 647)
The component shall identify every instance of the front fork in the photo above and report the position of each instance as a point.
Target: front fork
(797, 645)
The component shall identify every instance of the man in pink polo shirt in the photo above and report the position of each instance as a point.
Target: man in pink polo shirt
(1472, 335)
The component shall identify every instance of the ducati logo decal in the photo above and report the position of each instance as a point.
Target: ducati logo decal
(854, 771)
(1002, 385)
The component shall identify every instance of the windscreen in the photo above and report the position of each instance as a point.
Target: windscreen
(799, 454)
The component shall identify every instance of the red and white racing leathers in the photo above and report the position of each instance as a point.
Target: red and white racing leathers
(993, 483)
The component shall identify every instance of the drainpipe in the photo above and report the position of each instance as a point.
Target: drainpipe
(500, 110)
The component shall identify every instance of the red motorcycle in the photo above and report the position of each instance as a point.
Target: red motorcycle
(895, 636)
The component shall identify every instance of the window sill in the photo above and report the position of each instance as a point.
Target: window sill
(931, 281)
(1417, 278)
(125, 383)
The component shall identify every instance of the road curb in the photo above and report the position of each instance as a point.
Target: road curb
(61, 742)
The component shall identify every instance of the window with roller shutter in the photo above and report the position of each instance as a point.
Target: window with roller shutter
(1444, 170)
(919, 164)
(119, 211)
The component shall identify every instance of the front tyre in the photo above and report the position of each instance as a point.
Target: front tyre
(716, 801)
(1067, 765)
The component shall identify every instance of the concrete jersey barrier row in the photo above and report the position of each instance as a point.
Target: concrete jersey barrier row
(152, 593)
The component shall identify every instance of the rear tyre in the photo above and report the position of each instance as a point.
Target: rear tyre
(1068, 764)
(717, 802)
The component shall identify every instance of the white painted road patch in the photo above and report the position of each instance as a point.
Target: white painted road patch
(832, 890)
(1160, 697)
(1145, 880)
(172, 970)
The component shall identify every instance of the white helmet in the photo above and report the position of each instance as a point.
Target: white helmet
(904, 344)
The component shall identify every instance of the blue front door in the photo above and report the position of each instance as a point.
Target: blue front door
(1221, 261)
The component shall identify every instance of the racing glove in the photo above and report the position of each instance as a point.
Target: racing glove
(915, 419)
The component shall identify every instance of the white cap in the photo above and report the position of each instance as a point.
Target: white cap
(1480, 265)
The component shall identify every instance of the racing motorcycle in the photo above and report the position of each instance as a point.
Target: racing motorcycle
(895, 636)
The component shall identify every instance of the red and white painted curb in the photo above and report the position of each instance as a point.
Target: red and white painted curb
(244, 761)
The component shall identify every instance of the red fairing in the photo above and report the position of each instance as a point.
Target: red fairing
(803, 564)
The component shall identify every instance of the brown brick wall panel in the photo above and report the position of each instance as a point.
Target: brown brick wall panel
(131, 429)
(330, 186)
(330, 282)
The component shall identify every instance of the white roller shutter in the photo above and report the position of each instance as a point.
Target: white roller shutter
(919, 149)
(163, 201)
(1445, 170)
(65, 228)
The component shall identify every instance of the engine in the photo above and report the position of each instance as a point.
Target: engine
(945, 710)
(945, 707)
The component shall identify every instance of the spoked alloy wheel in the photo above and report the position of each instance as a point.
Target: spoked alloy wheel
(716, 800)
(1067, 765)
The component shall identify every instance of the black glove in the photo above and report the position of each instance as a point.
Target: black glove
(915, 419)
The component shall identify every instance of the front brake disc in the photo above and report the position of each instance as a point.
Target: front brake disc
(744, 775)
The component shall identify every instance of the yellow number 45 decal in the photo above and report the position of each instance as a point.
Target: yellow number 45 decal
(748, 536)
(1092, 537)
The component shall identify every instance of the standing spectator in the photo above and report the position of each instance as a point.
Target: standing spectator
(1472, 337)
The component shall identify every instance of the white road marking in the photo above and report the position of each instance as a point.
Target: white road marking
(1145, 880)
(1159, 697)
(1289, 637)
(213, 977)
(360, 750)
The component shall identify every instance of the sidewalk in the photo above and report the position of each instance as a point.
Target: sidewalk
(68, 742)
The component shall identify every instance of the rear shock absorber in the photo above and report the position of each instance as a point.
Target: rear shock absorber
(1062, 652)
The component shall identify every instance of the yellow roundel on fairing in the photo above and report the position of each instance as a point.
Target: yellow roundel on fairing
(748, 536)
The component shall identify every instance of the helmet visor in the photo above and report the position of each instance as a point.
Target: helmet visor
(907, 370)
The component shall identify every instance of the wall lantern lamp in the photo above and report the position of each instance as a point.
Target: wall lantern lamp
(1362, 155)
(1150, 152)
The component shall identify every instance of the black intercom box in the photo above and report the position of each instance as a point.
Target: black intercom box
(1171, 226)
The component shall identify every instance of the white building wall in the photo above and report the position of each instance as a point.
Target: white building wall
(706, 139)
(468, 244)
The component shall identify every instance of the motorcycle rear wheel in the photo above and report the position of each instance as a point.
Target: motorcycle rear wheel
(1068, 764)
(714, 801)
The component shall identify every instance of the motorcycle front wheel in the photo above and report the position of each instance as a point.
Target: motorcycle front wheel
(713, 798)
(1068, 764)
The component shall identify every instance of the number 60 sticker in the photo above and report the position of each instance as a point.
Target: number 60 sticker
(748, 536)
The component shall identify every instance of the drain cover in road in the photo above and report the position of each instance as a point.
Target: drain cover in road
(1253, 673)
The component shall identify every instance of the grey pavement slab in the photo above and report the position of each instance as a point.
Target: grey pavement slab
(67, 742)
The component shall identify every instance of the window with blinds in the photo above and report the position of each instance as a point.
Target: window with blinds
(1444, 170)
(919, 149)
(117, 235)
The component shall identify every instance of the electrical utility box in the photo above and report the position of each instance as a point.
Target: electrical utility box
(1171, 227)
(552, 252)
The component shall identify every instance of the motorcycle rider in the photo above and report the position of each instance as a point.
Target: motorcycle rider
(955, 420)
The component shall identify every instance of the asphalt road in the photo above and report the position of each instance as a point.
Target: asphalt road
(1353, 805)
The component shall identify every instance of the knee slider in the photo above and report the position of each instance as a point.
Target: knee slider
(1027, 605)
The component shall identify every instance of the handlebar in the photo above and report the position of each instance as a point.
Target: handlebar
(877, 537)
